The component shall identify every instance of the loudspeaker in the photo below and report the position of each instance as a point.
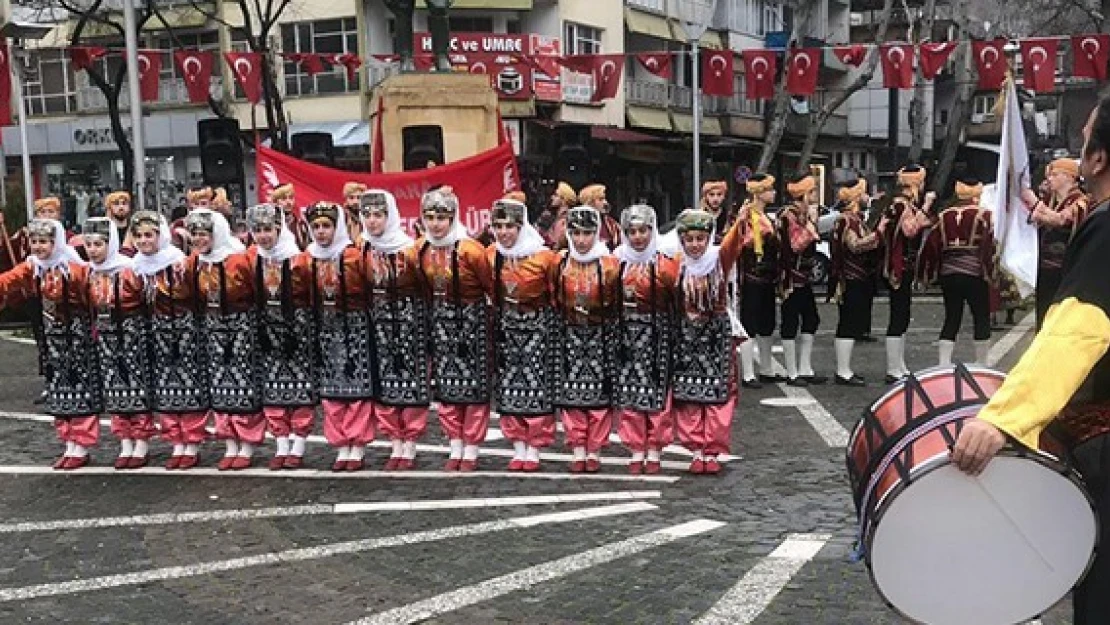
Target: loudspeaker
(572, 155)
(314, 147)
(421, 145)
(221, 151)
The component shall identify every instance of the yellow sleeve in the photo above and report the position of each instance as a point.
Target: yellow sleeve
(1074, 337)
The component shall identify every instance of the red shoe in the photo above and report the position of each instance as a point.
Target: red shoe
(225, 463)
(136, 462)
(392, 464)
(530, 466)
(592, 465)
(405, 464)
(339, 465)
(516, 465)
(712, 467)
(276, 463)
(452, 464)
(697, 467)
(578, 466)
(60, 463)
(188, 462)
(174, 463)
(123, 462)
(76, 462)
(468, 465)
(635, 467)
(355, 465)
(294, 462)
(239, 463)
(651, 467)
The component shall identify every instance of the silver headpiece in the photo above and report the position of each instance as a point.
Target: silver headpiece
(638, 215)
(264, 215)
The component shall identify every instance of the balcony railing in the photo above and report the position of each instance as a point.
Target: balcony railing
(670, 96)
(171, 92)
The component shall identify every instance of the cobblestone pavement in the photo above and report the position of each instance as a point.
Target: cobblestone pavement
(283, 549)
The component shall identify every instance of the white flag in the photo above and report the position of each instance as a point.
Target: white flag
(1017, 238)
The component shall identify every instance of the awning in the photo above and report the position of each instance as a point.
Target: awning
(518, 108)
(619, 135)
(710, 39)
(979, 145)
(343, 134)
(643, 117)
(647, 24)
(511, 5)
(685, 123)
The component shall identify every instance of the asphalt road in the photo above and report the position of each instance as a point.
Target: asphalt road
(766, 542)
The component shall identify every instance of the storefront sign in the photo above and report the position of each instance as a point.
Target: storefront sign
(500, 56)
(95, 137)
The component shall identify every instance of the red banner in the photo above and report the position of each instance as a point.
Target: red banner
(83, 57)
(1091, 54)
(196, 70)
(1039, 56)
(658, 63)
(851, 55)
(606, 70)
(717, 76)
(150, 65)
(933, 56)
(5, 86)
(759, 73)
(991, 62)
(499, 55)
(897, 66)
(803, 65)
(247, 68)
(478, 181)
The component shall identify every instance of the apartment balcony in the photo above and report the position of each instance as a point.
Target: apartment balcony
(171, 93)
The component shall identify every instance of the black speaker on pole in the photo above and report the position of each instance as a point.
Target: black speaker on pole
(422, 145)
(572, 155)
(221, 151)
(314, 147)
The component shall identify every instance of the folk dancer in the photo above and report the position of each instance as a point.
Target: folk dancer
(352, 196)
(285, 197)
(594, 196)
(344, 348)
(116, 299)
(586, 281)
(195, 199)
(704, 377)
(56, 276)
(959, 251)
(524, 336)
(458, 274)
(713, 195)
(908, 214)
(398, 305)
(757, 275)
(1063, 379)
(1057, 220)
(797, 230)
(645, 322)
(225, 296)
(178, 381)
(552, 224)
(118, 205)
(854, 263)
(283, 304)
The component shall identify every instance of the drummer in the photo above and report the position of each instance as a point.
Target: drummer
(1064, 376)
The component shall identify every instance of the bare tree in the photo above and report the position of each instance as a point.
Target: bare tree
(803, 11)
(961, 108)
(919, 115)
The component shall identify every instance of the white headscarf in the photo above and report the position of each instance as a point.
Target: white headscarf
(115, 261)
(339, 242)
(393, 239)
(668, 244)
(457, 233)
(223, 243)
(528, 241)
(167, 254)
(284, 248)
(704, 265)
(626, 254)
(62, 254)
(597, 251)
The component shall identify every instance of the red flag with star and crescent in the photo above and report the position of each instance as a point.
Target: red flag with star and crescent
(759, 73)
(1039, 58)
(991, 63)
(897, 62)
(658, 63)
(1090, 55)
(247, 68)
(851, 55)
(196, 70)
(717, 77)
(605, 68)
(150, 65)
(803, 65)
(933, 56)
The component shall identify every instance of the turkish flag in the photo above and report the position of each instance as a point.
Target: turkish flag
(1039, 57)
(310, 63)
(991, 63)
(658, 63)
(82, 57)
(759, 73)
(933, 56)
(897, 66)
(851, 55)
(348, 60)
(150, 64)
(717, 77)
(803, 65)
(196, 70)
(247, 67)
(605, 68)
(5, 86)
(1091, 54)
(547, 64)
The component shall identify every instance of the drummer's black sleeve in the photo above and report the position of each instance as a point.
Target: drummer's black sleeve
(1074, 337)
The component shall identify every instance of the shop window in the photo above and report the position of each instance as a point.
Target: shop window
(580, 39)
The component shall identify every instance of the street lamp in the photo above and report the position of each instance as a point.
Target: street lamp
(19, 32)
(694, 15)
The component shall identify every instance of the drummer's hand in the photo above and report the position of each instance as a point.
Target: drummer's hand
(979, 441)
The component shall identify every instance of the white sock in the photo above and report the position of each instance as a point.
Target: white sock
(790, 357)
(297, 446)
(282, 446)
(637, 456)
(747, 359)
(178, 450)
(593, 455)
(982, 348)
(141, 449)
(531, 454)
(357, 452)
(69, 448)
(408, 450)
(698, 455)
(470, 452)
(766, 361)
(579, 454)
(944, 352)
(805, 355)
(456, 449)
(893, 362)
(192, 449)
(398, 445)
(246, 450)
(344, 454)
(844, 357)
(520, 448)
(232, 448)
(126, 448)
(653, 455)
(902, 355)
(80, 451)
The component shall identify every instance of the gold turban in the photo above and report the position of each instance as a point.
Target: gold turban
(282, 192)
(764, 184)
(48, 202)
(907, 176)
(966, 191)
(195, 195)
(714, 185)
(566, 193)
(799, 189)
(353, 188)
(112, 197)
(1067, 165)
(853, 193)
(590, 193)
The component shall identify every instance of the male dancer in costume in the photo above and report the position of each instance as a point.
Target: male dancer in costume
(553, 223)
(959, 251)
(1063, 379)
(586, 282)
(283, 304)
(1057, 221)
(344, 348)
(285, 198)
(118, 210)
(226, 302)
(399, 317)
(594, 197)
(757, 273)
(457, 271)
(56, 276)
(907, 214)
(645, 322)
(797, 230)
(195, 199)
(116, 298)
(352, 195)
(523, 333)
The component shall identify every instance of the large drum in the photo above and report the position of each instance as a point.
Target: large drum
(947, 548)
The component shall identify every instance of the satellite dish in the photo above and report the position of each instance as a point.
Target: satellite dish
(800, 106)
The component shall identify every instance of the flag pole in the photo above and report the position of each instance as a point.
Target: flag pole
(131, 41)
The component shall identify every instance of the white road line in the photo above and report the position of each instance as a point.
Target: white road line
(312, 474)
(534, 575)
(754, 592)
(831, 431)
(1010, 340)
(10, 336)
(308, 553)
(320, 509)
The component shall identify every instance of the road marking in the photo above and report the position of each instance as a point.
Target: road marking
(1010, 340)
(314, 474)
(319, 509)
(534, 575)
(759, 586)
(10, 336)
(831, 431)
(310, 553)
